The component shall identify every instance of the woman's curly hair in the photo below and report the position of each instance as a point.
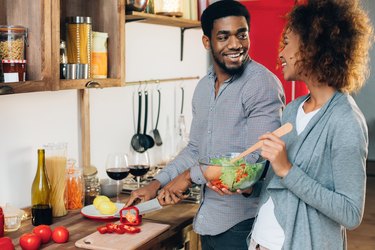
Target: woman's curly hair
(335, 36)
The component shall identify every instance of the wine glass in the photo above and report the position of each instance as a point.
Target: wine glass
(117, 168)
(139, 165)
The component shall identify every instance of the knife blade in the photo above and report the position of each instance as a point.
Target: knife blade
(144, 207)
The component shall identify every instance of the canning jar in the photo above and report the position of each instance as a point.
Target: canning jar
(92, 184)
(79, 40)
(13, 41)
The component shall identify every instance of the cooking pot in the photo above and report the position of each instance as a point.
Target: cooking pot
(136, 5)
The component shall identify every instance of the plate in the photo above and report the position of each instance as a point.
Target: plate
(91, 212)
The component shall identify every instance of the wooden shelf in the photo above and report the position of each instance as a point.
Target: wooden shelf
(161, 20)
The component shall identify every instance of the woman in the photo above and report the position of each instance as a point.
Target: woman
(316, 187)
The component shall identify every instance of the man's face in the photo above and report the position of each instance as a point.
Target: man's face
(230, 43)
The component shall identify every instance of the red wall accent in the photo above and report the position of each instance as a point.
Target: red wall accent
(267, 23)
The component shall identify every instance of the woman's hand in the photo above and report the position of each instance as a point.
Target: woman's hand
(274, 150)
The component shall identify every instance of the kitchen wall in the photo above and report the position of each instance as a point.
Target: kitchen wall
(365, 98)
(30, 120)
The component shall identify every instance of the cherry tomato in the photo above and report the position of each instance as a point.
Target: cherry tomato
(60, 234)
(44, 232)
(30, 241)
(6, 243)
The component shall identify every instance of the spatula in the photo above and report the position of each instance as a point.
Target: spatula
(283, 130)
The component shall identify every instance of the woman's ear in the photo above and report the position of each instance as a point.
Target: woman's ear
(206, 42)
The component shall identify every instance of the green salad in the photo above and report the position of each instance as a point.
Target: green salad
(237, 175)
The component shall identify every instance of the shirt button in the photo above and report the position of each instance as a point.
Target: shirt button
(209, 131)
(211, 109)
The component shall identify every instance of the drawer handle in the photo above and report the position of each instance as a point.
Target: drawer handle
(93, 85)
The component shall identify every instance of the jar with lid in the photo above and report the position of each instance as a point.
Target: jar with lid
(74, 194)
(92, 184)
(14, 70)
(13, 42)
(79, 40)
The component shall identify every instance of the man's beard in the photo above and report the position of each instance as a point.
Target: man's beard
(230, 71)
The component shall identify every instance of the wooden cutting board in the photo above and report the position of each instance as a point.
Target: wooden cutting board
(114, 241)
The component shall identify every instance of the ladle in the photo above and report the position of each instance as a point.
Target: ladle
(283, 130)
(148, 140)
(156, 133)
(137, 140)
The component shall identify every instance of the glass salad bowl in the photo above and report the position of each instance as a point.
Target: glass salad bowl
(241, 174)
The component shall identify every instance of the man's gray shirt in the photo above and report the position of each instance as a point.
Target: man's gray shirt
(246, 106)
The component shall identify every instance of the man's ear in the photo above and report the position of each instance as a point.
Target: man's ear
(206, 42)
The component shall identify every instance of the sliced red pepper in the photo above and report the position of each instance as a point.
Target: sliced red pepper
(130, 216)
(111, 228)
(131, 229)
(102, 229)
(120, 229)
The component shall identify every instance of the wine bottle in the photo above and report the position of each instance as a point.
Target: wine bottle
(41, 209)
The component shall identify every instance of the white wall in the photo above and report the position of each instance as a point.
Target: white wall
(30, 120)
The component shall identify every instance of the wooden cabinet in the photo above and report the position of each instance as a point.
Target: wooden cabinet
(45, 20)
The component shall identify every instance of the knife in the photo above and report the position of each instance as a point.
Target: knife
(144, 207)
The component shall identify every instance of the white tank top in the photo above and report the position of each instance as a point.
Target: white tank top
(267, 231)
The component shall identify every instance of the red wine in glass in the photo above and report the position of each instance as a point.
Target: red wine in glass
(138, 171)
(117, 173)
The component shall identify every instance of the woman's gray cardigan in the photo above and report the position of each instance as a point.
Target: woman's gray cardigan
(324, 192)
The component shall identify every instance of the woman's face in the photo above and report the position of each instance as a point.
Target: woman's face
(288, 56)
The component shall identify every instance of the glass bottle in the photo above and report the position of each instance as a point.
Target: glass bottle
(41, 209)
(92, 184)
(63, 59)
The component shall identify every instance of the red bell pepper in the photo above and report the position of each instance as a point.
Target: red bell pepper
(130, 216)
(6, 243)
(131, 230)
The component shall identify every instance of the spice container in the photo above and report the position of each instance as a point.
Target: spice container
(74, 195)
(79, 40)
(14, 70)
(99, 55)
(92, 184)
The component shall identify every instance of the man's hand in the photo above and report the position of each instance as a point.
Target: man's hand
(144, 193)
(173, 192)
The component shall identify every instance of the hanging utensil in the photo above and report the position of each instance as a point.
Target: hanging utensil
(148, 140)
(137, 141)
(181, 118)
(156, 133)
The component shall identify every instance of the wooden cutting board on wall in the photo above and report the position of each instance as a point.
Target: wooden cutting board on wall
(114, 241)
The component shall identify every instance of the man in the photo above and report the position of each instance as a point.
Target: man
(236, 102)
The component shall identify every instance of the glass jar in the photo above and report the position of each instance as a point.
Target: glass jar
(56, 159)
(168, 7)
(14, 70)
(92, 185)
(99, 55)
(79, 40)
(74, 195)
(13, 41)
